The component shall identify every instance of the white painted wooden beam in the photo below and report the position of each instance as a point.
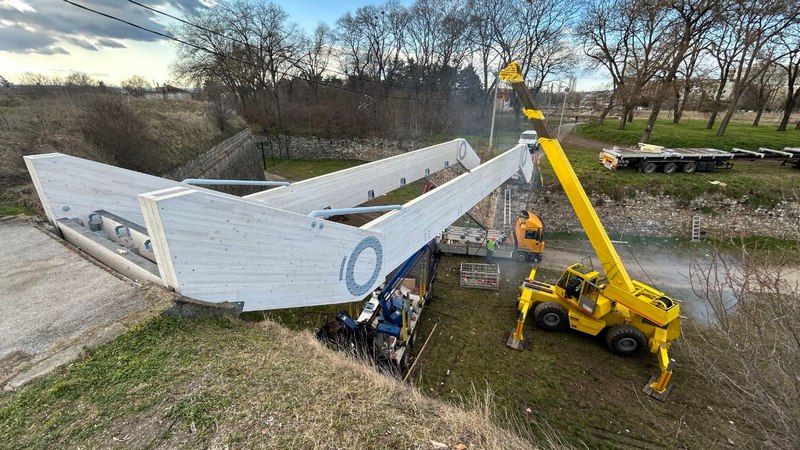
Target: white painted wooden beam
(421, 219)
(71, 187)
(217, 247)
(350, 187)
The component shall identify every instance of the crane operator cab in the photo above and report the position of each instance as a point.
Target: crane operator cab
(581, 285)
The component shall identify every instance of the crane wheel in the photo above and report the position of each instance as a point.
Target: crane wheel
(625, 340)
(550, 316)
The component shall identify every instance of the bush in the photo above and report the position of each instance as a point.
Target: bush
(749, 351)
(112, 125)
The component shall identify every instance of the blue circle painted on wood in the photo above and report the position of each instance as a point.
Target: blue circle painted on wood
(352, 286)
(462, 150)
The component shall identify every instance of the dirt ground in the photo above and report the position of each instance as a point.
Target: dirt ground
(569, 379)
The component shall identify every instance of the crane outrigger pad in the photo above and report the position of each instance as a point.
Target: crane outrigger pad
(648, 389)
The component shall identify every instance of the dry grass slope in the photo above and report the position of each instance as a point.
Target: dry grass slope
(218, 383)
(170, 133)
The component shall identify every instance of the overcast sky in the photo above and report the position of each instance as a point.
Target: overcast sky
(51, 36)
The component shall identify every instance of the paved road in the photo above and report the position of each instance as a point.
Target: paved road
(50, 296)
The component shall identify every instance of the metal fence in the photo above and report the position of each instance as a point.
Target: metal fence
(480, 276)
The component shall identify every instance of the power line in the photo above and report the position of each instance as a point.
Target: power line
(295, 61)
(207, 50)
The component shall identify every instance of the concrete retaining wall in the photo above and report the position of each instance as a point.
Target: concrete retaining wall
(235, 158)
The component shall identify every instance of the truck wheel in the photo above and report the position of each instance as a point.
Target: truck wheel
(550, 316)
(414, 335)
(521, 256)
(649, 167)
(689, 167)
(625, 340)
(669, 167)
(404, 359)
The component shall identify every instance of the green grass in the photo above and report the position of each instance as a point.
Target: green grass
(757, 183)
(568, 380)
(301, 169)
(692, 133)
(9, 209)
(223, 383)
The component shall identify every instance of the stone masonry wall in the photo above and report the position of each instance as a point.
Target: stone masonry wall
(647, 215)
(311, 147)
(236, 158)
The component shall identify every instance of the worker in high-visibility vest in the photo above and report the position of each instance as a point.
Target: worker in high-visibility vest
(491, 244)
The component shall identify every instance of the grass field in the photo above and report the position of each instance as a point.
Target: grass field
(568, 380)
(222, 383)
(692, 133)
(758, 183)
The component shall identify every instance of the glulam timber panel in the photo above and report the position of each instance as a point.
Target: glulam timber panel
(351, 187)
(71, 187)
(423, 218)
(218, 247)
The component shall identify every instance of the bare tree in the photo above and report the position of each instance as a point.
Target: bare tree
(690, 21)
(755, 25)
(604, 35)
(317, 55)
(136, 85)
(749, 348)
(789, 46)
(251, 45)
(764, 88)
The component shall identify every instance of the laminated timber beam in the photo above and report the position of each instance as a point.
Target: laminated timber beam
(356, 185)
(217, 247)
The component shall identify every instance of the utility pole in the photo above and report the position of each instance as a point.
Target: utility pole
(494, 113)
(561, 120)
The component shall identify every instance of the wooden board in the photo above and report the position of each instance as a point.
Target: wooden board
(71, 187)
(351, 187)
(218, 247)
(423, 218)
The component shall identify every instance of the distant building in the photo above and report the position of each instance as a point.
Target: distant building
(167, 92)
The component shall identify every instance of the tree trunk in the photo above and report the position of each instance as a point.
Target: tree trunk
(797, 127)
(788, 105)
(606, 110)
(623, 118)
(278, 108)
(723, 126)
(677, 104)
(630, 114)
(758, 116)
(711, 119)
(651, 122)
(679, 112)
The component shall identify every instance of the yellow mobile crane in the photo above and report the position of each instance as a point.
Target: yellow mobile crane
(635, 316)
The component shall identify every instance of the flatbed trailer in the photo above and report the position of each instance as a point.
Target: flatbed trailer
(651, 158)
(472, 242)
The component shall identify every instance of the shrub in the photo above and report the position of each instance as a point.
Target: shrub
(111, 124)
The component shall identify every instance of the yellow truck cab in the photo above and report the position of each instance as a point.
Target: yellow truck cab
(528, 242)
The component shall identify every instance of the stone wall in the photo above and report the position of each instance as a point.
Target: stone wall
(647, 215)
(235, 158)
(284, 146)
